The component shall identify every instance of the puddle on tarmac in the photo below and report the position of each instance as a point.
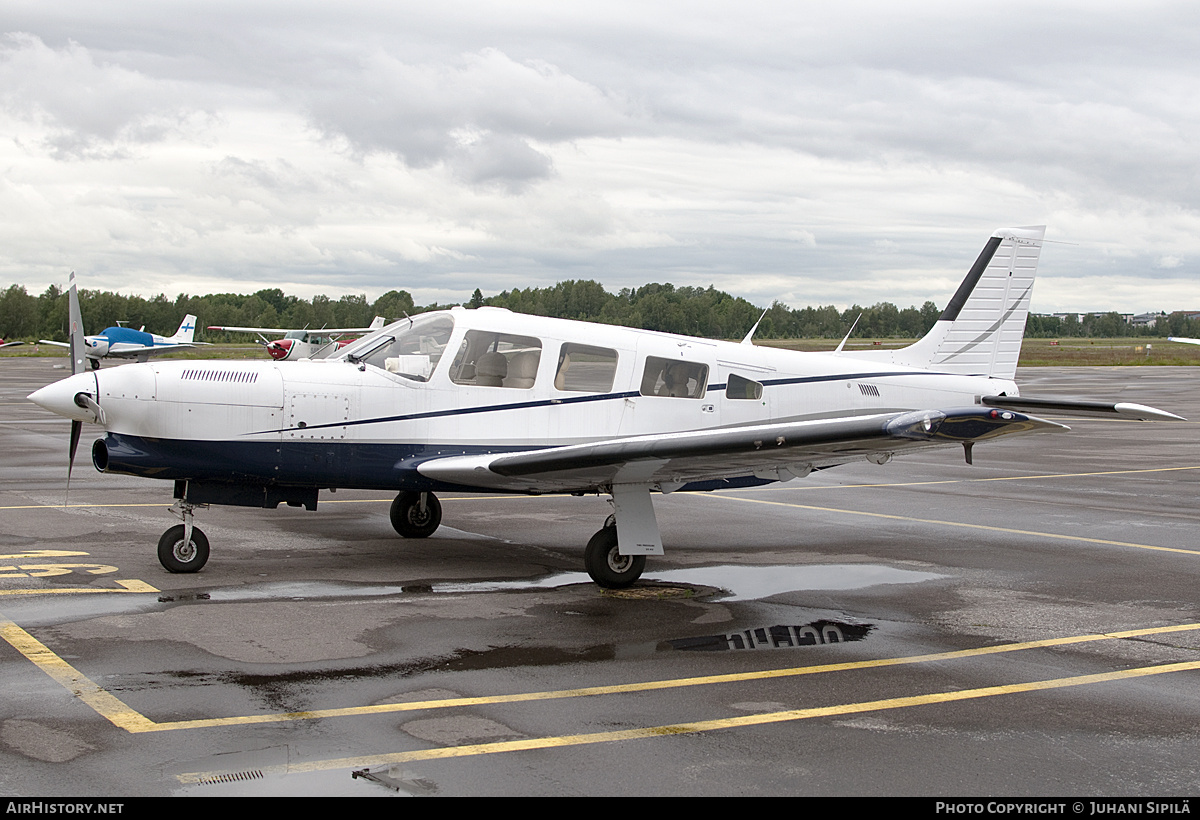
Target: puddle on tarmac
(744, 583)
(750, 583)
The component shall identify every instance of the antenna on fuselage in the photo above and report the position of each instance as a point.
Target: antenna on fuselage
(838, 349)
(749, 336)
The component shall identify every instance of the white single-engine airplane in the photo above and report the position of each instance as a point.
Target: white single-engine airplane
(305, 343)
(486, 400)
(124, 342)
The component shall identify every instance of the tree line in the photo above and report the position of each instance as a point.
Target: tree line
(692, 311)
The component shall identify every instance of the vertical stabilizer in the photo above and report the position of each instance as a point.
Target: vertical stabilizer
(187, 329)
(980, 331)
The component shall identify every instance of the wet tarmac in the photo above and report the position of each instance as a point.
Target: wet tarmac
(1028, 625)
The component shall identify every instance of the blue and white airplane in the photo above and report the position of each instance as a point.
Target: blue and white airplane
(125, 342)
(491, 401)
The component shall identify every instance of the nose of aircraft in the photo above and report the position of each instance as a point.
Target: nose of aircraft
(60, 397)
(280, 348)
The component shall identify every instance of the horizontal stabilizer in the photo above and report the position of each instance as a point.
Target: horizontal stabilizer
(1124, 410)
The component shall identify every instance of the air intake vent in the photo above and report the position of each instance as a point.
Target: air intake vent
(868, 389)
(205, 375)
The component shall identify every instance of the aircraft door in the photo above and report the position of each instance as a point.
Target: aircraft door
(672, 378)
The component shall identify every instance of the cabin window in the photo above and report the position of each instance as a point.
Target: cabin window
(410, 348)
(585, 369)
(740, 388)
(490, 359)
(671, 377)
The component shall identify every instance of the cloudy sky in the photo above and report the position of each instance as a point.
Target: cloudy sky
(814, 153)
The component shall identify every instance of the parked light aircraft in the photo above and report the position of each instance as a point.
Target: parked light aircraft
(491, 401)
(304, 344)
(125, 342)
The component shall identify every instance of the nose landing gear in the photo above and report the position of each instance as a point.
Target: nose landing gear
(184, 547)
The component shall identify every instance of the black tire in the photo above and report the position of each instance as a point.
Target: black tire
(409, 521)
(176, 556)
(605, 563)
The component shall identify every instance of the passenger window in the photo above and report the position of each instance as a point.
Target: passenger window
(740, 388)
(496, 360)
(585, 369)
(670, 377)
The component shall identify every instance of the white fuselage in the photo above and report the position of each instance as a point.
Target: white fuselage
(476, 381)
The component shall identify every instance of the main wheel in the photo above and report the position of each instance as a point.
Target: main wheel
(410, 521)
(607, 566)
(177, 556)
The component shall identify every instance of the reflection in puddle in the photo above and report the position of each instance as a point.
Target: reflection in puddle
(776, 637)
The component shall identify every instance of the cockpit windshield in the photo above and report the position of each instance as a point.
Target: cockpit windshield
(410, 347)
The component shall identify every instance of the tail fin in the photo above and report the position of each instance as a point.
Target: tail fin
(377, 323)
(187, 329)
(980, 331)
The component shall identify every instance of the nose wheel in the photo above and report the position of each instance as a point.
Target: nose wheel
(184, 547)
(179, 553)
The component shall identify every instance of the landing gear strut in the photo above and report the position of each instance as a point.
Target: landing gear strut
(184, 547)
(607, 566)
(416, 515)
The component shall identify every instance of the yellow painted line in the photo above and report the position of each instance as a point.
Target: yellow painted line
(713, 725)
(147, 725)
(1008, 530)
(676, 683)
(74, 681)
(126, 586)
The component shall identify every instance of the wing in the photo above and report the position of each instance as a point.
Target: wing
(316, 331)
(124, 350)
(770, 451)
(253, 329)
(1183, 339)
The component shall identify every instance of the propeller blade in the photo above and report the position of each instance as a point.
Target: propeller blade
(76, 338)
(76, 429)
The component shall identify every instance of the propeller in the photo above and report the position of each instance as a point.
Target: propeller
(78, 365)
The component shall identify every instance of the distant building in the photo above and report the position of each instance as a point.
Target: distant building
(1131, 319)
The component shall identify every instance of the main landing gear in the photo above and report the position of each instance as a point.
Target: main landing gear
(607, 566)
(416, 515)
(184, 547)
